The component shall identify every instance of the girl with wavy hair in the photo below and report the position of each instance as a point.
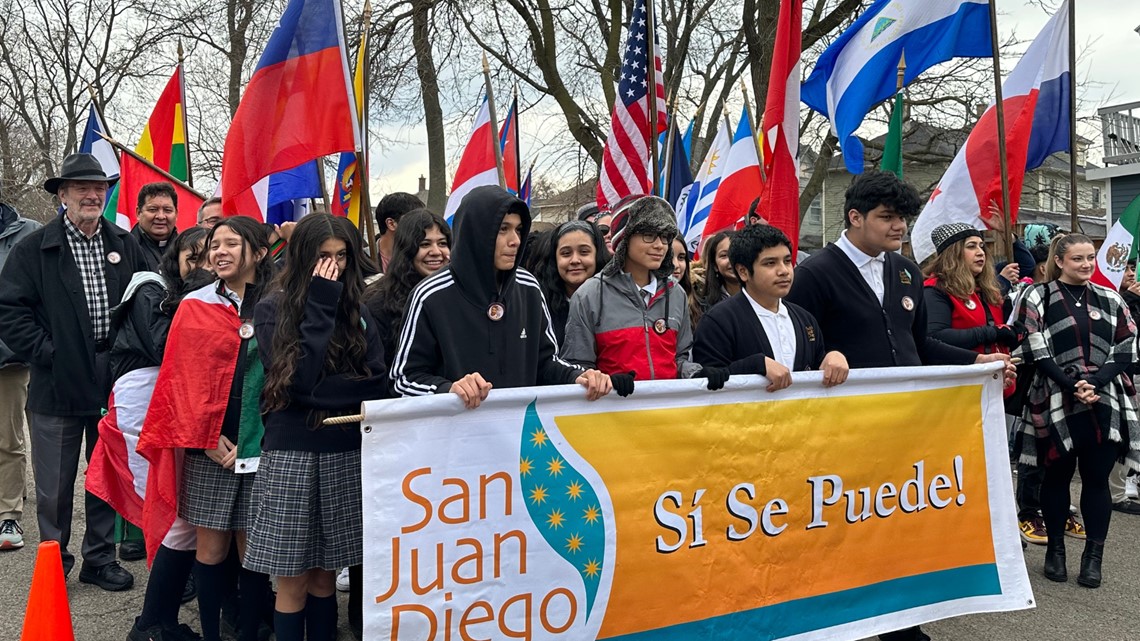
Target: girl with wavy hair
(322, 356)
(422, 246)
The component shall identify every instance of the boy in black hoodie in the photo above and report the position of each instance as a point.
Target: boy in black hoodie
(481, 322)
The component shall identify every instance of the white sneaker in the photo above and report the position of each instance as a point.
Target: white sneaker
(11, 535)
(1132, 487)
(342, 581)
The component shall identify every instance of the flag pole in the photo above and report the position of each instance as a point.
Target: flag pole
(365, 209)
(670, 135)
(185, 121)
(494, 123)
(162, 172)
(651, 90)
(99, 110)
(752, 125)
(1007, 240)
(518, 141)
(1074, 221)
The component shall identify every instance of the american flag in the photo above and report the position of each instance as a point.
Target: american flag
(625, 162)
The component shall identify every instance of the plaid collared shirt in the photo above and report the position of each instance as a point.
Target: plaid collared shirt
(88, 253)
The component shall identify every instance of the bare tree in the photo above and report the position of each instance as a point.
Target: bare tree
(51, 51)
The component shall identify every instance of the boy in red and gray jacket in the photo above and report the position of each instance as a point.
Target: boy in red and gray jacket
(631, 319)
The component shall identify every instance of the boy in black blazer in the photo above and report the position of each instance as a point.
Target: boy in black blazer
(756, 331)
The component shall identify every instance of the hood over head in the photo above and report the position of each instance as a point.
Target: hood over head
(648, 214)
(476, 229)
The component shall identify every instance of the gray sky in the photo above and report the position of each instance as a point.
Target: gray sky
(1108, 51)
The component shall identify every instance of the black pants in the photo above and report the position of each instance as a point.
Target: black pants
(1029, 479)
(1094, 456)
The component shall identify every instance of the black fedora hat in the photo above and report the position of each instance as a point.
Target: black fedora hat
(78, 167)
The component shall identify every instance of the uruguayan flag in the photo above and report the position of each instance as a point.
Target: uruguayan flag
(860, 69)
(700, 198)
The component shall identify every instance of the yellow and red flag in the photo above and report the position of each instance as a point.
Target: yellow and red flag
(163, 143)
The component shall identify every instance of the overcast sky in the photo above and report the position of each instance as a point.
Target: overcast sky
(1107, 44)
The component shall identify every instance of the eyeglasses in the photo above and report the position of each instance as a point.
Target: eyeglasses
(649, 237)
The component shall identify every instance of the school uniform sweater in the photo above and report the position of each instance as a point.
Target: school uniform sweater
(830, 288)
(315, 392)
(731, 335)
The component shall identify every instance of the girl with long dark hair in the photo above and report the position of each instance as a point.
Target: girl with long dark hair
(322, 356)
(205, 402)
(575, 251)
(1080, 410)
(422, 247)
(720, 282)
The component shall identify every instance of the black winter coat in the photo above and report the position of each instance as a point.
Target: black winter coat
(45, 322)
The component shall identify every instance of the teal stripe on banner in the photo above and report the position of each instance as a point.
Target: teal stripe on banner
(828, 610)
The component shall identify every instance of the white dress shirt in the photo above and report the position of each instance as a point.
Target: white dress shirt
(870, 267)
(780, 331)
(649, 290)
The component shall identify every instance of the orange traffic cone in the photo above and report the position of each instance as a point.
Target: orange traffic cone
(48, 616)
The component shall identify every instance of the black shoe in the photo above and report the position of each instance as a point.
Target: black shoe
(1055, 560)
(132, 550)
(181, 633)
(153, 633)
(190, 591)
(1127, 506)
(111, 577)
(1090, 565)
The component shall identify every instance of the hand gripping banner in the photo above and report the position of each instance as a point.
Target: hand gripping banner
(679, 513)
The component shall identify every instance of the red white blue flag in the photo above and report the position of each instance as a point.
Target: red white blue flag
(297, 107)
(626, 167)
(1036, 98)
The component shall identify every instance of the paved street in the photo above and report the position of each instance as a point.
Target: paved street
(1065, 612)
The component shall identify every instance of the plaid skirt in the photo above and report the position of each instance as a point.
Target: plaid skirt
(308, 514)
(214, 497)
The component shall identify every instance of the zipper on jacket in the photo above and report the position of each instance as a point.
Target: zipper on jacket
(648, 349)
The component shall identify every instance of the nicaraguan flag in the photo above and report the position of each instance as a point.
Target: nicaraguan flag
(860, 69)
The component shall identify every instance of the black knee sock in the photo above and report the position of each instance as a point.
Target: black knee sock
(289, 627)
(320, 617)
(252, 587)
(164, 588)
(211, 587)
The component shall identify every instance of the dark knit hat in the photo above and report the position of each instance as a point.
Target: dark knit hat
(946, 235)
(644, 215)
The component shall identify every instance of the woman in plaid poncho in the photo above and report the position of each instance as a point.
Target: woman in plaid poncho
(1080, 406)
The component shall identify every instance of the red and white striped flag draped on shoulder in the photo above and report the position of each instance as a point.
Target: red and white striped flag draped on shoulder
(626, 160)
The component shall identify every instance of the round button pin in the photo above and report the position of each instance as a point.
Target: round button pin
(908, 303)
(246, 331)
(114, 258)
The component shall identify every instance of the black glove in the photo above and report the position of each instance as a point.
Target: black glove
(1011, 335)
(717, 376)
(623, 383)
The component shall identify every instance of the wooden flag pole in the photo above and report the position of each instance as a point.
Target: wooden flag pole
(752, 124)
(362, 153)
(1007, 231)
(1074, 220)
(185, 121)
(494, 123)
(162, 172)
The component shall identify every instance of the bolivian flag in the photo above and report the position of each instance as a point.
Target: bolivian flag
(163, 142)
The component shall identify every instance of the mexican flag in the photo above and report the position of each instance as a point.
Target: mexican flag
(163, 143)
(1119, 247)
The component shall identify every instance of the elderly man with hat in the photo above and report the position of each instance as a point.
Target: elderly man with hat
(56, 292)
